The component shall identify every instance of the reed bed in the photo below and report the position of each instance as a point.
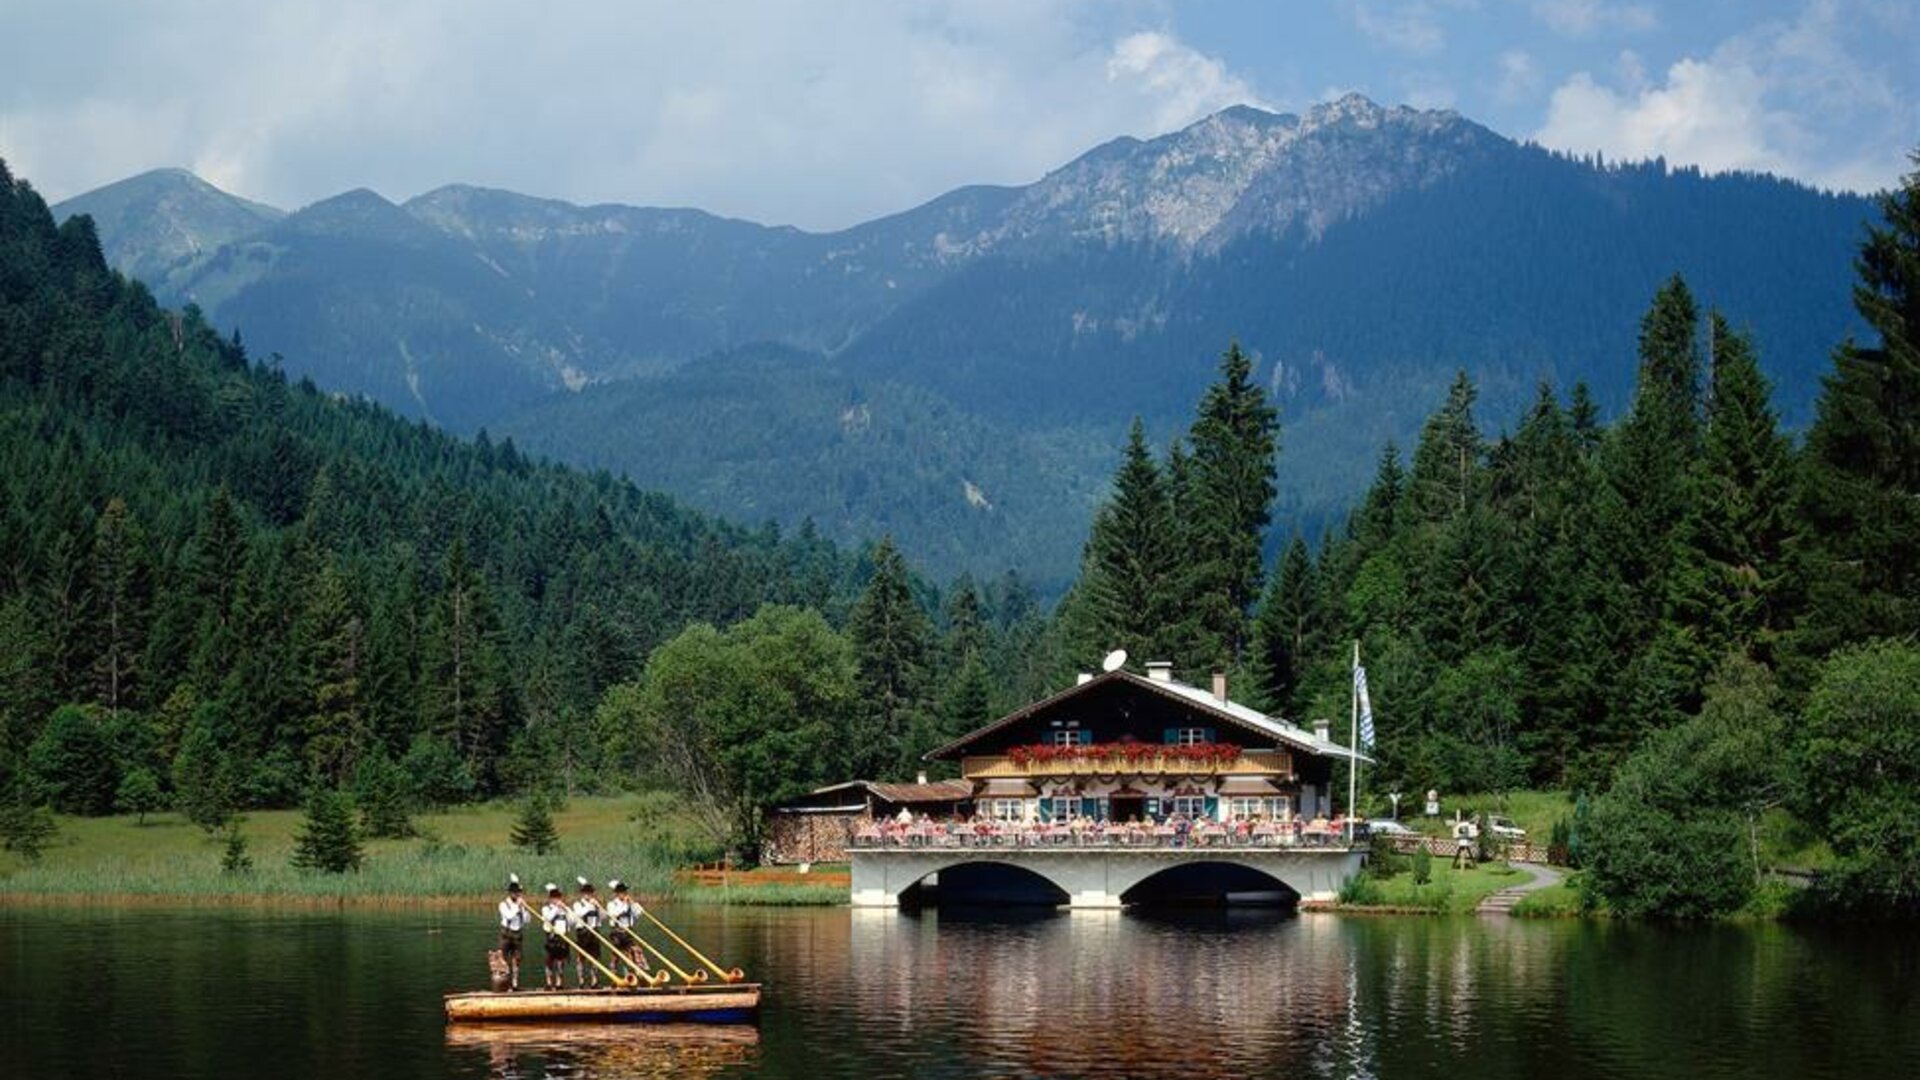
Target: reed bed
(462, 855)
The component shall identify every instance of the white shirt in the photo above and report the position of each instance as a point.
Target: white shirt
(586, 912)
(622, 911)
(554, 916)
(513, 915)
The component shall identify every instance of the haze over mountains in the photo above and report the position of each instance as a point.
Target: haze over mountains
(961, 374)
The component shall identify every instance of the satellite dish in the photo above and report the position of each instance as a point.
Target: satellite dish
(1114, 659)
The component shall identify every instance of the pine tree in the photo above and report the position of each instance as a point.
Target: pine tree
(234, 857)
(333, 655)
(328, 841)
(385, 797)
(890, 639)
(464, 684)
(1862, 492)
(1131, 572)
(1225, 507)
(533, 829)
(1730, 590)
(1448, 462)
(120, 601)
(1284, 635)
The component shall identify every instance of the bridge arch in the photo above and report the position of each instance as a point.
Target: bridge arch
(1101, 877)
(1208, 883)
(984, 883)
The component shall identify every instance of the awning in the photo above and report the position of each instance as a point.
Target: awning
(1006, 788)
(1248, 785)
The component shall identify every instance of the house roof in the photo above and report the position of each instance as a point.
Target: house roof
(1232, 712)
(937, 791)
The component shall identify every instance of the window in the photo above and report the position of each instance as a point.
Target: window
(1248, 806)
(1071, 738)
(1065, 807)
(1191, 736)
(1194, 806)
(1009, 811)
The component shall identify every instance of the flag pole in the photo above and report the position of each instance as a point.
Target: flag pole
(1353, 744)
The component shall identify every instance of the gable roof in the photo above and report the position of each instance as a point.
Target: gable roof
(1232, 712)
(932, 792)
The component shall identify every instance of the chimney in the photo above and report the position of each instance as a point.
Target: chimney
(1160, 671)
(1220, 685)
(1084, 678)
(1323, 731)
(920, 777)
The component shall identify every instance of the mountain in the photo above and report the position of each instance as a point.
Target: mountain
(1362, 253)
(154, 221)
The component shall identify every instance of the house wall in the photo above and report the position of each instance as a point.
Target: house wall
(811, 838)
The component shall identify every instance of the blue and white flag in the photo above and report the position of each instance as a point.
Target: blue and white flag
(1366, 707)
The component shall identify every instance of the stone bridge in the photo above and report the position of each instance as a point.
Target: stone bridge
(1104, 877)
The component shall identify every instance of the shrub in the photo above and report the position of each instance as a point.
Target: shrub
(234, 858)
(74, 762)
(386, 797)
(1422, 865)
(328, 840)
(534, 829)
(139, 794)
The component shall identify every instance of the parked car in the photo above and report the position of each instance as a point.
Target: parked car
(1503, 829)
(1392, 828)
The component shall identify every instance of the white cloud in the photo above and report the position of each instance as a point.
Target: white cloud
(1580, 18)
(1187, 84)
(1780, 97)
(783, 111)
(1703, 115)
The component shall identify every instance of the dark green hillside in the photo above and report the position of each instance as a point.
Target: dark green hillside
(771, 433)
(249, 584)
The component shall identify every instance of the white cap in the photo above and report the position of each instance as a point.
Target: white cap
(584, 883)
(616, 884)
(552, 888)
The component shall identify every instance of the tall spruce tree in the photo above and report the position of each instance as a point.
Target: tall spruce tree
(1731, 589)
(891, 645)
(1861, 498)
(1131, 564)
(1225, 508)
(464, 684)
(121, 599)
(1284, 632)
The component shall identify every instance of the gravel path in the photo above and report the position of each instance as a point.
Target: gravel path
(1502, 902)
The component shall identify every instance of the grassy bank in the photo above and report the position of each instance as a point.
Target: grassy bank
(1448, 892)
(462, 853)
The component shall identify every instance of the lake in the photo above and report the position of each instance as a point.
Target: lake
(162, 992)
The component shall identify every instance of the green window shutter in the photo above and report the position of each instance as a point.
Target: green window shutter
(1213, 808)
(1170, 736)
(1046, 810)
(1210, 735)
(1089, 807)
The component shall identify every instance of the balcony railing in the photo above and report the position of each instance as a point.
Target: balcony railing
(1268, 763)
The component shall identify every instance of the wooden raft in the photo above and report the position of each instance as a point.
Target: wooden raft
(724, 1003)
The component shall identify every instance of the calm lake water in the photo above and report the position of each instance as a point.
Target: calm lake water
(173, 993)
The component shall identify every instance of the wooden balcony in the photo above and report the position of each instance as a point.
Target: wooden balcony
(1269, 763)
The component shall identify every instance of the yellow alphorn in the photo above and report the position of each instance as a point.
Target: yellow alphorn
(733, 975)
(644, 975)
(612, 976)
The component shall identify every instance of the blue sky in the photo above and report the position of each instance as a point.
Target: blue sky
(823, 114)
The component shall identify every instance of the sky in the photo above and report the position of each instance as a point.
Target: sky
(825, 113)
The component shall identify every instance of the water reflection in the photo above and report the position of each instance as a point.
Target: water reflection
(608, 1051)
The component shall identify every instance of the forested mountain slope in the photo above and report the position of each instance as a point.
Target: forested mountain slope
(1361, 254)
(255, 584)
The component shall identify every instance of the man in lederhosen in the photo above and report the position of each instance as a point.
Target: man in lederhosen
(556, 918)
(587, 914)
(621, 911)
(513, 930)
